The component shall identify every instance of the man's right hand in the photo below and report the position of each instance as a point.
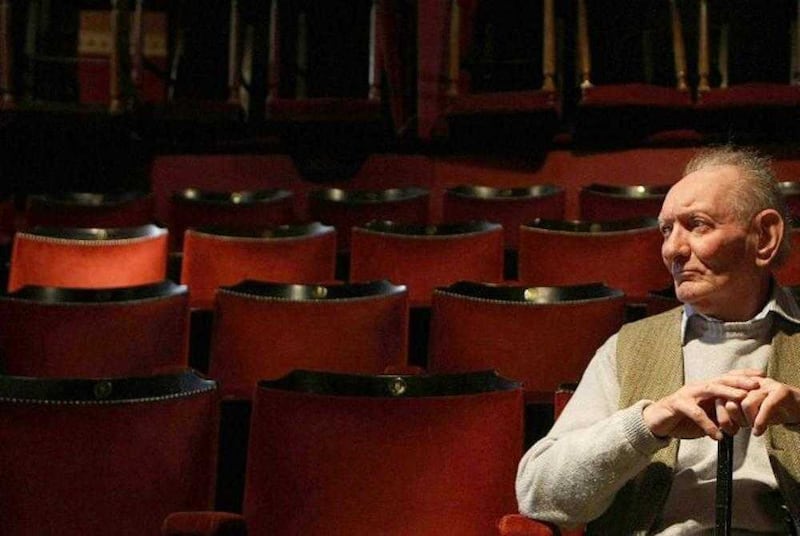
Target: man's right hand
(698, 409)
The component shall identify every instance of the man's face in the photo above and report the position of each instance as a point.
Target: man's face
(710, 254)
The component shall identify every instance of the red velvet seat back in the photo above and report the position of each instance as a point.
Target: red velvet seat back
(562, 397)
(760, 56)
(395, 456)
(423, 258)
(346, 209)
(88, 258)
(80, 333)
(602, 202)
(266, 330)
(100, 457)
(789, 273)
(791, 193)
(623, 255)
(7, 220)
(244, 210)
(510, 207)
(542, 336)
(293, 254)
(103, 210)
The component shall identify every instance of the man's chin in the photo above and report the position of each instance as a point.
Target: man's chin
(688, 292)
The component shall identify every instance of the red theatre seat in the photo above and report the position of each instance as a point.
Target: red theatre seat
(631, 65)
(791, 193)
(425, 257)
(789, 272)
(624, 254)
(519, 525)
(59, 332)
(510, 207)
(608, 202)
(216, 257)
(342, 455)
(500, 74)
(104, 456)
(542, 336)
(245, 210)
(88, 258)
(86, 209)
(748, 79)
(310, 79)
(265, 330)
(7, 219)
(345, 209)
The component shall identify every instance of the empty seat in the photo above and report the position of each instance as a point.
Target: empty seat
(623, 254)
(632, 69)
(659, 301)
(500, 75)
(791, 193)
(607, 202)
(344, 209)
(88, 258)
(788, 273)
(89, 209)
(325, 73)
(425, 257)
(51, 62)
(214, 257)
(519, 525)
(264, 330)
(61, 332)
(510, 207)
(104, 456)
(542, 336)
(325, 63)
(748, 74)
(244, 210)
(7, 219)
(343, 455)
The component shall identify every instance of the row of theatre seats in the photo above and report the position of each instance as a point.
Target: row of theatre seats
(440, 66)
(312, 418)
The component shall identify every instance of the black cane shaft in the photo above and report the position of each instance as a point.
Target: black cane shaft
(724, 499)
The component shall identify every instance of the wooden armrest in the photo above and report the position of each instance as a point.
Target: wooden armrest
(204, 524)
(519, 525)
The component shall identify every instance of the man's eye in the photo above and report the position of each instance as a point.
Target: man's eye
(665, 230)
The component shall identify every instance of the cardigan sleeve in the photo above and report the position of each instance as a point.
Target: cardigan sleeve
(570, 476)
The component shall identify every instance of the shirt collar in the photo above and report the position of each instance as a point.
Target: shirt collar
(781, 302)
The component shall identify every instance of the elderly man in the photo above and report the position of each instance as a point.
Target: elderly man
(635, 449)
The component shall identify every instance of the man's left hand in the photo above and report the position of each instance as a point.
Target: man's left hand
(770, 403)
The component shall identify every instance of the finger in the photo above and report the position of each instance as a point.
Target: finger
(740, 381)
(736, 414)
(751, 407)
(695, 413)
(774, 409)
(725, 418)
(737, 390)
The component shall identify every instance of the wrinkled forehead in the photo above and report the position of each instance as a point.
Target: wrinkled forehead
(709, 189)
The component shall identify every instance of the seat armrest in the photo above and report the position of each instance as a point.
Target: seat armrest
(204, 524)
(519, 525)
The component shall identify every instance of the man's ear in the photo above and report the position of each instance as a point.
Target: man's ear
(769, 227)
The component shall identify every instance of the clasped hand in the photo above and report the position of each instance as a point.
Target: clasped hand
(739, 399)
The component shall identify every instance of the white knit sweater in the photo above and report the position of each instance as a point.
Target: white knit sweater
(570, 477)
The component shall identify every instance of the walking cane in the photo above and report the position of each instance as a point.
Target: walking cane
(724, 498)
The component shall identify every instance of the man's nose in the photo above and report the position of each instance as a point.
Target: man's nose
(675, 245)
